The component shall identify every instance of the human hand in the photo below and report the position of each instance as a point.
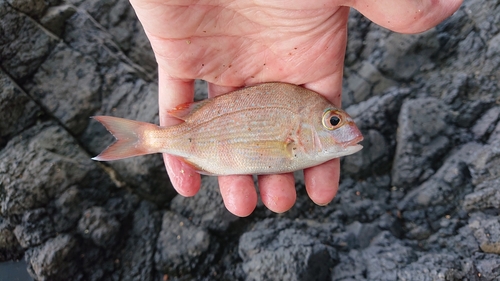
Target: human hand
(231, 44)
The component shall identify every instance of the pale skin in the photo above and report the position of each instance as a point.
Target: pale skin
(232, 44)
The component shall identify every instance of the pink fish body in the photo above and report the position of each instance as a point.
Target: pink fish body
(265, 129)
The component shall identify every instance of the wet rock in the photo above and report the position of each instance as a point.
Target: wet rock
(487, 232)
(206, 208)
(17, 110)
(99, 226)
(274, 249)
(180, 246)
(422, 140)
(54, 260)
(24, 50)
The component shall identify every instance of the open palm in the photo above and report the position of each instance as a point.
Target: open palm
(231, 44)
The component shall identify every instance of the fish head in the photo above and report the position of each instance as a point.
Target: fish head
(336, 134)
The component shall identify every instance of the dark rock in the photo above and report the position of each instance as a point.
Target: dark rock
(206, 208)
(486, 165)
(35, 228)
(372, 159)
(277, 250)
(24, 45)
(17, 110)
(137, 257)
(422, 140)
(487, 265)
(9, 247)
(99, 226)
(486, 196)
(77, 74)
(40, 164)
(486, 124)
(33, 8)
(441, 195)
(55, 17)
(180, 246)
(487, 232)
(54, 260)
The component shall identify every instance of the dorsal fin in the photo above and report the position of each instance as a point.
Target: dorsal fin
(183, 111)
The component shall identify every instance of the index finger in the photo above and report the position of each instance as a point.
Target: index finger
(172, 92)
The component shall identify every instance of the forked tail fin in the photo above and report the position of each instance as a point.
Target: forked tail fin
(129, 136)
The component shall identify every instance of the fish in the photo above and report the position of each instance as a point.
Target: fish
(268, 128)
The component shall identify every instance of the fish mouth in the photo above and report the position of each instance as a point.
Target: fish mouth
(354, 142)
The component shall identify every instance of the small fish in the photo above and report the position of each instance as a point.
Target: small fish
(265, 129)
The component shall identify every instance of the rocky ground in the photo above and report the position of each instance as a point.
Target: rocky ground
(420, 202)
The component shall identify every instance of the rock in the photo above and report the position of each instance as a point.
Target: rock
(486, 196)
(180, 246)
(487, 232)
(31, 7)
(77, 74)
(55, 17)
(9, 247)
(486, 124)
(206, 208)
(422, 140)
(54, 260)
(99, 226)
(17, 110)
(40, 164)
(24, 50)
(439, 196)
(34, 228)
(486, 166)
(274, 250)
(138, 253)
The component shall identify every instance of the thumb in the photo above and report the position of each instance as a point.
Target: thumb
(406, 16)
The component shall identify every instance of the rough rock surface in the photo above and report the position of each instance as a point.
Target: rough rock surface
(421, 201)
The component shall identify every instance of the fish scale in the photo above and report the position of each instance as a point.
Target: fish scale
(263, 129)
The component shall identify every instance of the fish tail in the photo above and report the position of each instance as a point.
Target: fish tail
(130, 138)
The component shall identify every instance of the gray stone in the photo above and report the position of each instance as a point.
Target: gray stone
(99, 226)
(33, 8)
(439, 196)
(24, 44)
(138, 253)
(487, 232)
(180, 245)
(17, 110)
(39, 165)
(78, 94)
(54, 260)
(486, 196)
(206, 208)
(421, 141)
(55, 17)
(486, 124)
(35, 228)
(9, 247)
(276, 249)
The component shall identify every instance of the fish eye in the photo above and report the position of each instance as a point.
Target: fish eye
(332, 119)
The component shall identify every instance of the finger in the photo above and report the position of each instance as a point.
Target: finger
(238, 193)
(322, 182)
(277, 191)
(406, 16)
(216, 90)
(172, 92)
